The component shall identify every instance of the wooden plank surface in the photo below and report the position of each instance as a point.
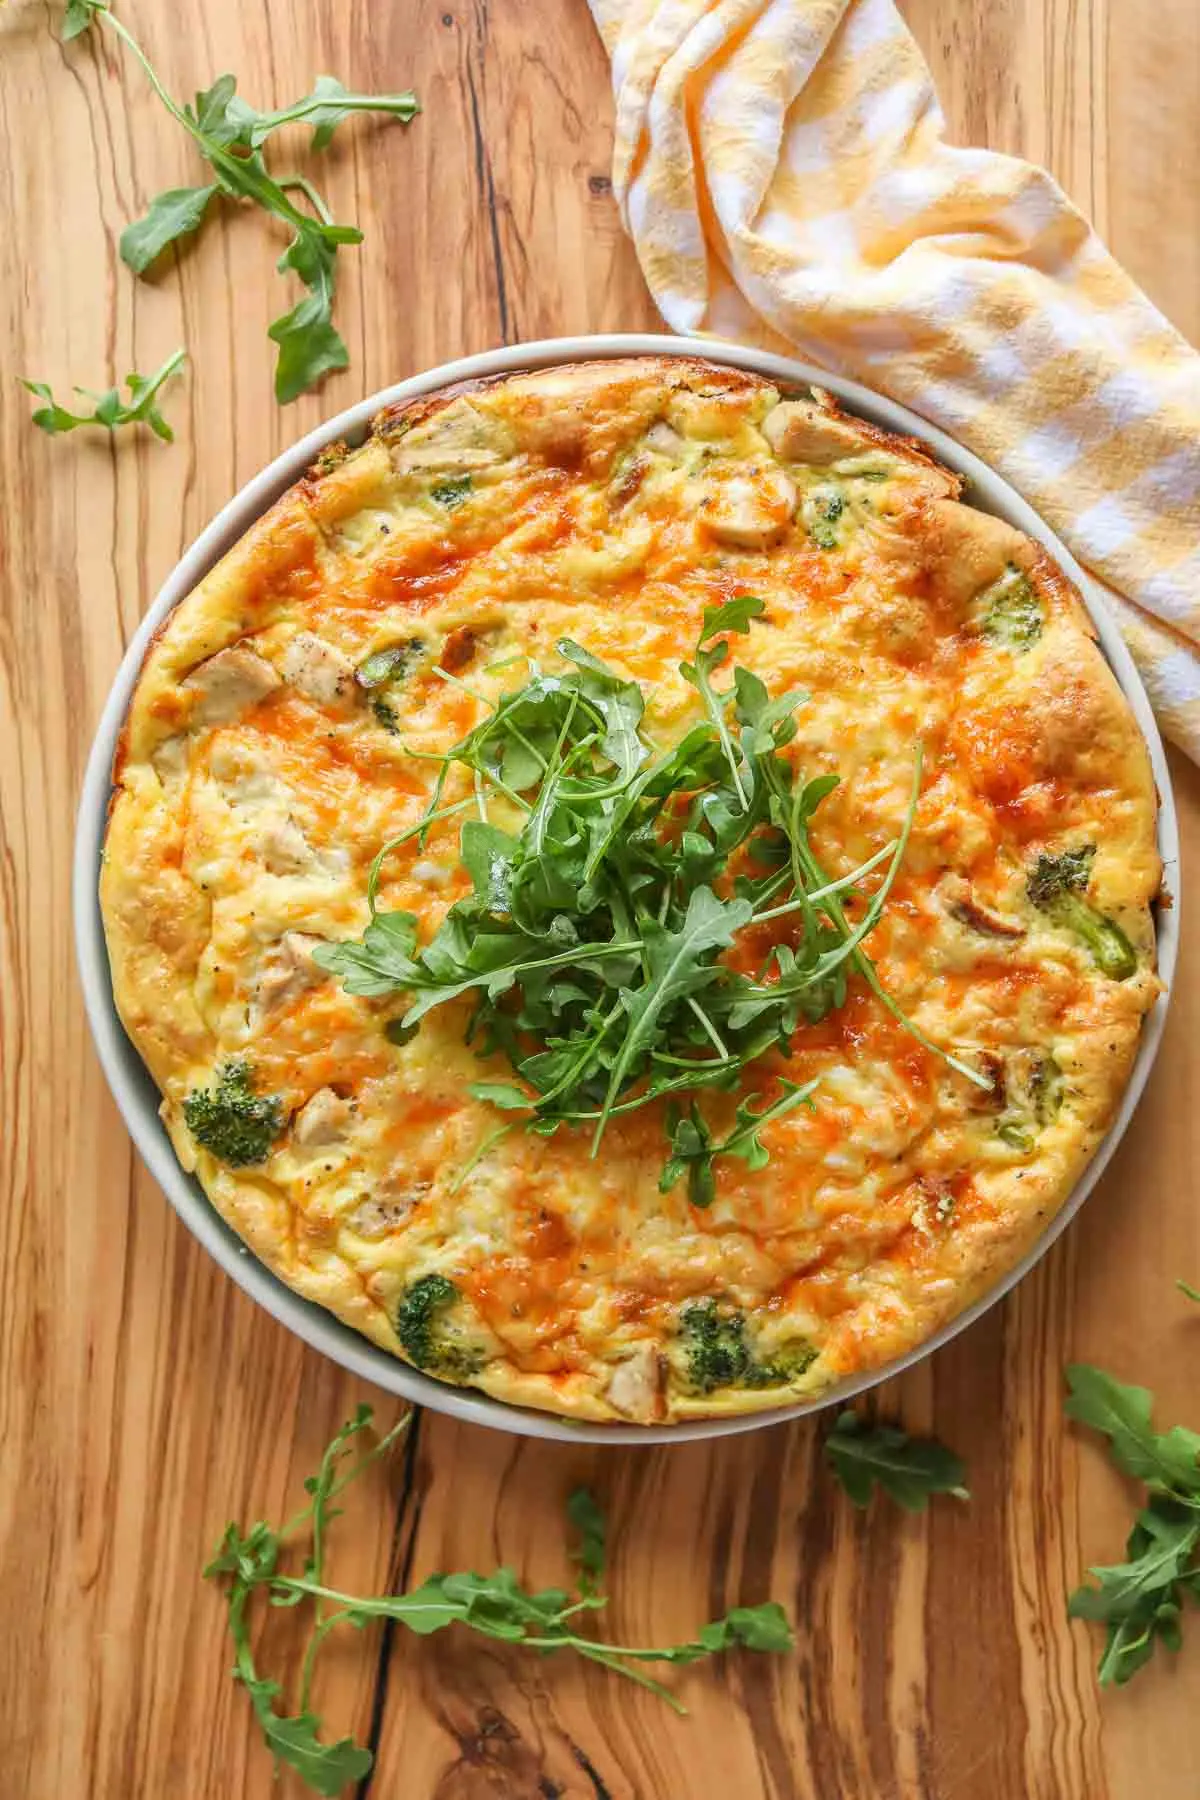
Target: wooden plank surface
(143, 1400)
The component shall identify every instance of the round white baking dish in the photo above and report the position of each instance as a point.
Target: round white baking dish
(135, 1093)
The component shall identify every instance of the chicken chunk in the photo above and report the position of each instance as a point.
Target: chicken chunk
(286, 971)
(748, 509)
(322, 1121)
(801, 431)
(319, 671)
(635, 1386)
(228, 684)
(283, 847)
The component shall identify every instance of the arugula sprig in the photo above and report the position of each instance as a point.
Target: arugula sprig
(230, 134)
(497, 1606)
(1141, 1599)
(593, 945)
(110, 410)
(865, 1456)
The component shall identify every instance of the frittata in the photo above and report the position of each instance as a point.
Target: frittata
(683, 556)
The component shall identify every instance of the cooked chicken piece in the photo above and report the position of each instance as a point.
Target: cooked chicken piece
(286, 971)
(665, 439)
(284, 848)
(635, 1386)
(322, 1121)
(801, 431)
(319, 671)
(387, 1209)
(170, 759)
(962, 904)
(747, 509)
(455, 439)
(227, 684)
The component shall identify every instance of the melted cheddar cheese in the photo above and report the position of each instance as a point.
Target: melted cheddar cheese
(612, 503)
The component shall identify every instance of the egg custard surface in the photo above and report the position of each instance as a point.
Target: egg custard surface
(985, 868)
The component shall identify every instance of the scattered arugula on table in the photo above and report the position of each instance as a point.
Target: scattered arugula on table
(864, 1456)
(498, 1606)
(230, 134)
(591, 945)
(1141, 1599)
(110, 410)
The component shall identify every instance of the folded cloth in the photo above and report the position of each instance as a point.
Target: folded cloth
(782, 168)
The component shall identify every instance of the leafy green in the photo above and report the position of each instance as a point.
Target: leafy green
(248, 1563)
(1166, 1462)
(1057, 888)
(230, 134)
(173, 214)
(593, 944)
(588, 1520)
(1185, 1287)
(231, 1120)
(110, 410)
(864, 1456)
(693, 1151)
(1141, 1599)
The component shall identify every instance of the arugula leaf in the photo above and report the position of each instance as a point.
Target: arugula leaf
(673, 969)
(585, 1515)
(1167, 1463)
(910, 1470)
(173, 214)
(497, 1606)
(1186, 1288)
(110, 410)
(230, 134)
(1141, 1599)
(693, 1151)
(734, 615)
(77, 17)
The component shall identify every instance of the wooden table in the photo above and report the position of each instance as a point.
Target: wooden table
(144, 1400)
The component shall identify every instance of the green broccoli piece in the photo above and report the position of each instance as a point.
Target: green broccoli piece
(390, 664)
(1057, 887)
(717, 1354)
(429, 1336)
(1034, 1105)
(383, 667)
(231, 1120)
(452, 491)
(823, 510)
(1010, 612)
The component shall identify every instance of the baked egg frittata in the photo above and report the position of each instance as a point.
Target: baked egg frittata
(635, 897)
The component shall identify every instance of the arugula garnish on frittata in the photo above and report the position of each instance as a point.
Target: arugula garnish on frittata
(592, 946)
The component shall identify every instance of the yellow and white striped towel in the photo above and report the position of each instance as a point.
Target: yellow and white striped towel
(782, 168)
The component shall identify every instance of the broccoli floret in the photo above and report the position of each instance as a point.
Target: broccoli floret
(1035, 1092)
(452, 491)
(823, 511)
(1057, 887)
(429, 1337)
(230, 1119)
(718, 1355)
(389, 664)
(1010, 612)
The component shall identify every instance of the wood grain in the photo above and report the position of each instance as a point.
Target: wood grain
(143, 1400)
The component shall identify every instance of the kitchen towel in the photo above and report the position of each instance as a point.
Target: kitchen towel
(783, 170)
